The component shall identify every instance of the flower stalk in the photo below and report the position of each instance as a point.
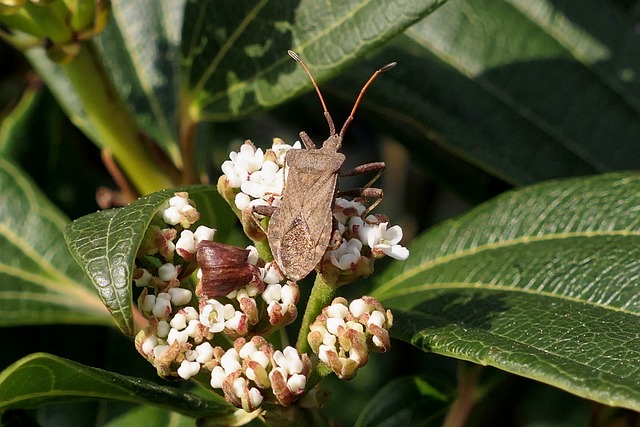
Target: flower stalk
(112, 126)
(321, 296)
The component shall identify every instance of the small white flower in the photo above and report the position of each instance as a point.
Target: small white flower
(171, 216)
(377, 318)
(272, 274)
(337, 310)
(229, 170)
(358, 307)
(255, 397)
(329, 339)
(347, 254)
(175, 335)
(192, 328)
(180, 296)
(272, 293)
(296, 383)
(190, 313)
(377, 341)
(238, 386)
(143, 280)
(148, 302)
(287, 295)
(164, 295)
(380, 238)
(161, 308)
(218, 375)
(252, 290)
(261, 358)
(230, 361)
(203, 233)
(149, 344)
(212, 316)
(253, 257)
(295, 365)
(205, 352)
(355, 326)
(247, 350)
(179, 201)
(163, 328)
(186, 242)
(167, 272)
(188, 369)
(253, 188)
(178, 322)
(234, 323)
(334, 323)
(250, 157)
(323, 353)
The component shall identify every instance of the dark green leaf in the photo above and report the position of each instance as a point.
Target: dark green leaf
(44, 143)
(528, 90)
(105, 243)
(541, 282)
(41, 283)
(235, 53)
(43, 378)
(407, 401)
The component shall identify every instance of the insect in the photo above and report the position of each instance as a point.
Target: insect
(224, 269)
(302, 227)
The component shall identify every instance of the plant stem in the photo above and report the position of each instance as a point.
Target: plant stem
(111, 125)
(322, 294)
(467, 380)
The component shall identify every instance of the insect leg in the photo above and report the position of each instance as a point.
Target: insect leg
(366, 193)
(261, 210)
(336, 237)
(378, 167)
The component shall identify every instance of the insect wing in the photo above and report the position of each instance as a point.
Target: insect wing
(300, 229)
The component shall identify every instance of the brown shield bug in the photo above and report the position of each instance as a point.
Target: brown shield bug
(302, 226)
(225, 269)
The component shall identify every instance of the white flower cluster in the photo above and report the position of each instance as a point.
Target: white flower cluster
(343, 334)
(178, 338)
(258, 175)
(357, 232)
(258, 179)
(251, 368)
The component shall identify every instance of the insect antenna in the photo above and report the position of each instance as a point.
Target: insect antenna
(362, 91)
(332, 127)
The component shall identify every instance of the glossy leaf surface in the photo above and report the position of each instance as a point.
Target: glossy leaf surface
(541, 282)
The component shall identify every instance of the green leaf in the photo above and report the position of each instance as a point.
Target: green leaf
(527, 90)
(406, 401)
(40, 281)
(42, 378)
(105, 243)
(541, 282)
(235, 53)
(142, 58)
(150, 416)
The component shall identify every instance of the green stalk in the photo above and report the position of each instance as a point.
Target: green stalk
(321, 296)
(114, 127)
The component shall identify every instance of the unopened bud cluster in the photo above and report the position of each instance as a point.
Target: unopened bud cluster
(58, 26)
(344, 334)
(188, 330)
(253, 177)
